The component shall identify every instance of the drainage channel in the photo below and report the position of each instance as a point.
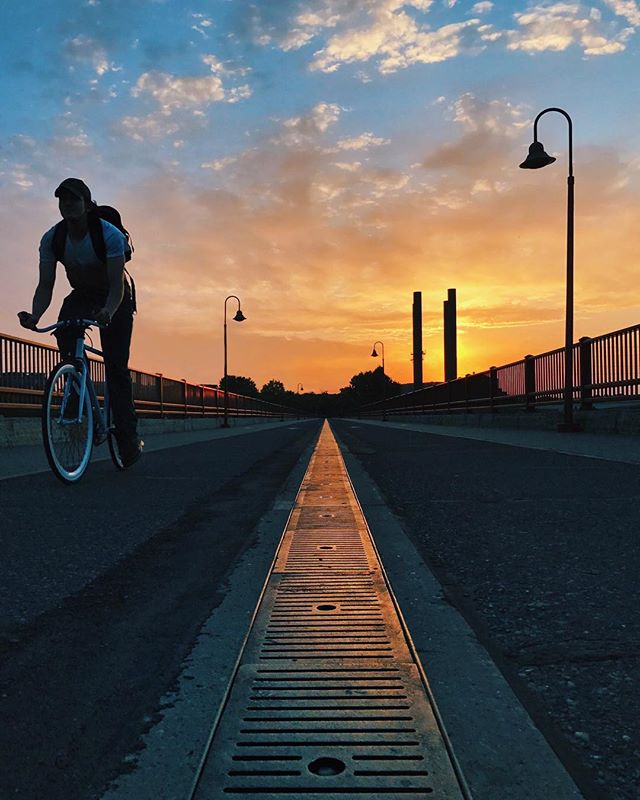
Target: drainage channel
(329, 698)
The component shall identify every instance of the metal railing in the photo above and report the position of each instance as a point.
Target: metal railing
(25, 365)
(605, 367)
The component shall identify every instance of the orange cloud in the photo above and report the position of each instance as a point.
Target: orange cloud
(325, 259)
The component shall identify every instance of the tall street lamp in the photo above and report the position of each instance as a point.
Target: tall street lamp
(536, 159)
(239, 317)
(374, 354)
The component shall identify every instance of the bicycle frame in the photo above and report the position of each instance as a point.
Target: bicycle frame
(86, 382)
(70, 381)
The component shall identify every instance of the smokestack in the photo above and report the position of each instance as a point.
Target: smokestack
(450, 337)
(417, 340)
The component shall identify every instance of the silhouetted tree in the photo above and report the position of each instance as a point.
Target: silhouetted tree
(367, 387)
(240, 385)
(274, 392)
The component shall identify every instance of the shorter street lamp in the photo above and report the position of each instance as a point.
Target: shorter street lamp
(374, 354)
(536, 159)
(299, 388)
(239, 317)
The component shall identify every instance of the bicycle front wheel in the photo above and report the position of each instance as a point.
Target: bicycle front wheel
(67, 429)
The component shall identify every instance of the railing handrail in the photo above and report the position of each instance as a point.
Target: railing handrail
(265, 406)
(530, 393)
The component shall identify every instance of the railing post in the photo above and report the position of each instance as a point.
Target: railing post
(184, 394)
(466, 393)
(202, 398)
(160, 393)
(493, 385)
(586, 378)
(530, 382)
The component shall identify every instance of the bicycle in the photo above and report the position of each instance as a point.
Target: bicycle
(72, 419)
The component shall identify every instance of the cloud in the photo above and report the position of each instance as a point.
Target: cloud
(308, 127)
(395, 34)
(293, 221)
(559, 26)
(362, 142)
(325, 251)
(181, 100)
(625, 8)
(397, 41)
(172, 92)
(151, 126)
(489, 128)
(87, 50)
(392, 33)
(202, 24)
(219, 163)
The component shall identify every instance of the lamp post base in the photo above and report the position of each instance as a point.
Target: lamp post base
(225, 425)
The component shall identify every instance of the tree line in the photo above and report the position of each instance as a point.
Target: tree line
(363, 388)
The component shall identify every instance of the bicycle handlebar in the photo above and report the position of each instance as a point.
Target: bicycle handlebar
(87, 323)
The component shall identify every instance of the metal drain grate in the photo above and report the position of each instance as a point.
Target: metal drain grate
(327, 700)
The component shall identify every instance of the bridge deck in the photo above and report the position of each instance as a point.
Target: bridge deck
(329, 698)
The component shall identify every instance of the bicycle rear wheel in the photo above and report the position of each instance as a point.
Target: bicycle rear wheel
(67, 430)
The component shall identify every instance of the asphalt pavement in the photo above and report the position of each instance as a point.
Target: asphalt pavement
(125, 600)
(537, 548)
(105, 588)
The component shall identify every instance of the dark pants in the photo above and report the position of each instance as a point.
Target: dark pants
(116, 341)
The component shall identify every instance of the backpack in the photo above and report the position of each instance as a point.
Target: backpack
(108, 214)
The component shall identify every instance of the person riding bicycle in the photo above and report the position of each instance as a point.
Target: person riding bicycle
(100, 292)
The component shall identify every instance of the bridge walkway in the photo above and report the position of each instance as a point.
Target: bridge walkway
(328, 698)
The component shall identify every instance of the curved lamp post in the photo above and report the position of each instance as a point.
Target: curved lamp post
(536, 159)
(239, 317)
(374, 354)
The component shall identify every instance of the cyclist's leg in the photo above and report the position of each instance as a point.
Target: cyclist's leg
(116, 342)
(74, 306)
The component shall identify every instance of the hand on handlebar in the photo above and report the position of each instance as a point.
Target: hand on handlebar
(27, 320)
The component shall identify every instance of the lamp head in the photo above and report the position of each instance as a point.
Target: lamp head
(239, 317)
(537, 157)
(374, 354)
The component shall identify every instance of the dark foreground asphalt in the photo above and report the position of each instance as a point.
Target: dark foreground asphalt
(105, 586)
(540, 553)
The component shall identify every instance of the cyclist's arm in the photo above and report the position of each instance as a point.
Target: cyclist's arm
(115, 276)
(44, 290)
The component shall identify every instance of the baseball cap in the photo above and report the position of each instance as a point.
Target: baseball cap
(76, 186)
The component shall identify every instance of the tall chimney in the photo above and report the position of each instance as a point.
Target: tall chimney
(450, 338)
(417, 340)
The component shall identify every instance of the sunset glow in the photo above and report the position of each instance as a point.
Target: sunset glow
(324, 160)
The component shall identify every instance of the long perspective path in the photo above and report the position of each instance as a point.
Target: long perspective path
(278, 613)
(329, 697)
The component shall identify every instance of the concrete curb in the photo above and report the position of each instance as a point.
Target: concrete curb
(623, 421)
(18, 431)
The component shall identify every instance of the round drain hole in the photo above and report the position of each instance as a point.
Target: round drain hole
(326, 607)
(327, 766)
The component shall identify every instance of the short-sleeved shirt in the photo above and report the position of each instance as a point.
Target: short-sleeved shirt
(85, 271)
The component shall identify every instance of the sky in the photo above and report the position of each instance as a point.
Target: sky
(322, 160)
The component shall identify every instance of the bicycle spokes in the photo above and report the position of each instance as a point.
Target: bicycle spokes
(67, 423)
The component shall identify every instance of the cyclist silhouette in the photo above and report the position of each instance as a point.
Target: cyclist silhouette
(100, 292)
